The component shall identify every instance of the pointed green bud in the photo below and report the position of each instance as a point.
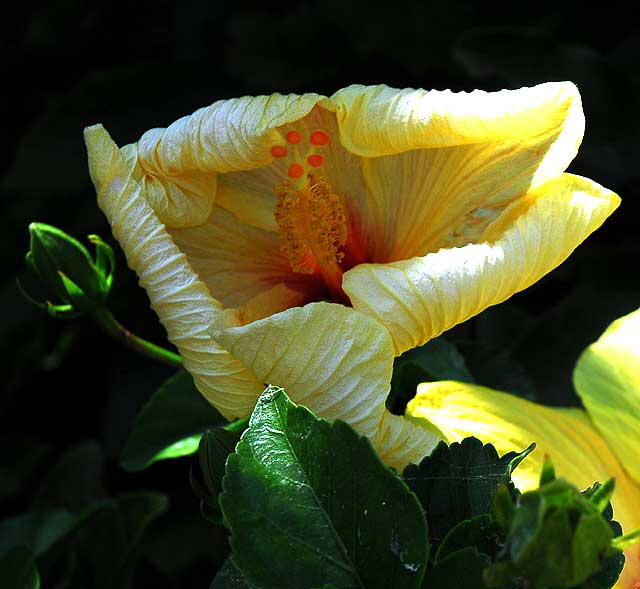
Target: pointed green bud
(76, 283)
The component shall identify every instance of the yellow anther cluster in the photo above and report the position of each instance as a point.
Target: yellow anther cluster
(312, 225)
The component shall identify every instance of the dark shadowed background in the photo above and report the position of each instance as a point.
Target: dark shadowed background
(70, 394)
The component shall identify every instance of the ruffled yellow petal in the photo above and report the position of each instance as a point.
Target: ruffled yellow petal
(459, 160)
(179, 164)
(378, 120)
(607, 378)
(330, 358)
(333, 360)
(420, 298)
(180, 299)
(568, 436)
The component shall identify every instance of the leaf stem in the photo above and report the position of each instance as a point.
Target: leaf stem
(112, 327)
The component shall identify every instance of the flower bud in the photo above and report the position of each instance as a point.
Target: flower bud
(75, 281)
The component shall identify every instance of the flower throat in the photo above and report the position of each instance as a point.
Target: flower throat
(311, 217)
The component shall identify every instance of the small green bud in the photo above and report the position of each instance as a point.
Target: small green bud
(74, 280)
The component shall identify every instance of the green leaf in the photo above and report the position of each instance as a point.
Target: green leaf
(459, 481)
(309, 503)
(556, 538)
(104, 546)
(461, 569)
(481, 533)
(38, 530)
(438, 359)
(229, 577)
(18, 570)
(170, 424)
(206, 476)
(74, 481)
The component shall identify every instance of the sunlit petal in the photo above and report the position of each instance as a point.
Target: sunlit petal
(568, 436)
(332, 359)
(182, 302)
(179, 163)
(607, 378)
(420, 298)
(378, 120)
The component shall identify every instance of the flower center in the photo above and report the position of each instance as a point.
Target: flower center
(311, 218)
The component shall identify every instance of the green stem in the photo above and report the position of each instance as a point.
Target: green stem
(111, 326)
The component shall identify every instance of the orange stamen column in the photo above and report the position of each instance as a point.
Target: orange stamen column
(310, 216)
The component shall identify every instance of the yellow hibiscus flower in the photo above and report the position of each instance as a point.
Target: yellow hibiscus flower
(585, 446)
(305, 241)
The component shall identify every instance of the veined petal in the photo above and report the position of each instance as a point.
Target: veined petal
(568, 436)
(179, 164)
(398, 441)
(250, 194)
(236, 261)
(182, 302)
(327, 357)
(378, 120)
(607, 378)
(420, 298)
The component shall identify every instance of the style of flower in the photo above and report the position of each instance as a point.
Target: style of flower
(305, 241)
(585, 446)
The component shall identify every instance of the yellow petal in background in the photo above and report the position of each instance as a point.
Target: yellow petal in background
(420, 298)
(607, 378)
(567, 436)
(579, 453)
(177, 295)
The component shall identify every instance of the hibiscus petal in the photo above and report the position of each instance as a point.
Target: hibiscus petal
(398, 441)
(567, 436)
(180, 299)
(378, 120)
(179, 163)
(607, 378)
(420, 298)
(330, 358)
(333, 360)
(250, 195)
(478, 152)
(236, 261)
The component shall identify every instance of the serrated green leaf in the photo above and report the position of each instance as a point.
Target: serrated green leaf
(458, 482)
(18, 570)
(170, 424)
(309, 503)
